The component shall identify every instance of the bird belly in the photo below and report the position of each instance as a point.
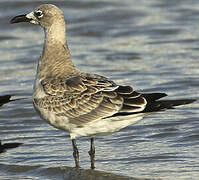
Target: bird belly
(105, 126)
(95, 128)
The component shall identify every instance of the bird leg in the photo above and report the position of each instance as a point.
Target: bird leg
(92, 153)
(75, 153)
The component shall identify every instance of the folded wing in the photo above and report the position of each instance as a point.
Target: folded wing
(85, 98)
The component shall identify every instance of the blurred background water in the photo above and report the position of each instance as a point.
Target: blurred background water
(151, 45)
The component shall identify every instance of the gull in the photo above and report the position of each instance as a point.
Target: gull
(80, 103)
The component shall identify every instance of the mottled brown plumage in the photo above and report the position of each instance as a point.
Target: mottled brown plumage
(85, 98)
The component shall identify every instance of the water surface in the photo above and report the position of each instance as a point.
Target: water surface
(151, 45)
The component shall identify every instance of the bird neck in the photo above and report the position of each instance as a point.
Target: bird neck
(55, 33)
(56, 59)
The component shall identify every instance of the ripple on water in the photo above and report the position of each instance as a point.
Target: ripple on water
(152, 45)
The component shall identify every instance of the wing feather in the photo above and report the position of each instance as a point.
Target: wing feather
(85, 98)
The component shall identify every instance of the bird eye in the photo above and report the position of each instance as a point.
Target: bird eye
(39, 14)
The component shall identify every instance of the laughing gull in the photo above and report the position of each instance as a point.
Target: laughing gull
(81, 103)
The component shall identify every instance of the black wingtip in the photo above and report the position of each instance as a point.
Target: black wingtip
(181, 102)
(154, 96)
(162, 105)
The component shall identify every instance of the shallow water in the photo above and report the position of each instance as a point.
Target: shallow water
(152, 45)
